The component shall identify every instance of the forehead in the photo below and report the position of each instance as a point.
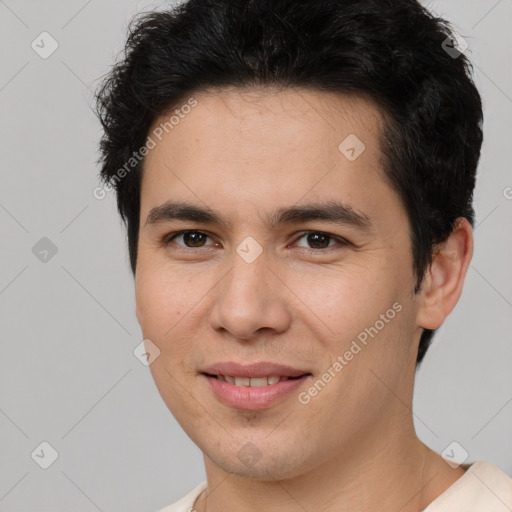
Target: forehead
(265, 126)
(270, 107)
(267, 146)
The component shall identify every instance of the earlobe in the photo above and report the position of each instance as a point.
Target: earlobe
(444, 279)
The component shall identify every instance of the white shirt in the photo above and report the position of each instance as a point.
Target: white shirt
(482, 488)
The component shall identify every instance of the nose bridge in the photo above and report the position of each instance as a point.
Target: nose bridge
(246, 300)
(244, 287)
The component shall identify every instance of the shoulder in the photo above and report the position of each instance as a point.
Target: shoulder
(482, 488)
(186, 503)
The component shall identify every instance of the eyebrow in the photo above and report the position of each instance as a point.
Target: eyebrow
(330, 211)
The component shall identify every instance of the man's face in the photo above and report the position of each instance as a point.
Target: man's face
(318, 291)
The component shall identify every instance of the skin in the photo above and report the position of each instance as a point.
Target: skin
(245, 153)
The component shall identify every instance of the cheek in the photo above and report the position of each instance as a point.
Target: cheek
(171, 311)
(345, 300)
(161, 302)
(162, 306)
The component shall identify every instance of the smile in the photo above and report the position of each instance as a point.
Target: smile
(254, 382)
(253, 393)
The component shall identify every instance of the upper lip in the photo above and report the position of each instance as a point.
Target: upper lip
(262, 369)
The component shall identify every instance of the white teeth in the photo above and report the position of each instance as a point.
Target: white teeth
(258, 382)
(253, 381)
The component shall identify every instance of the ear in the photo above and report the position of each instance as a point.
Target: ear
(442, 284)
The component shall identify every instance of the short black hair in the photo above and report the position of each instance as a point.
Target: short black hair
(394, 51)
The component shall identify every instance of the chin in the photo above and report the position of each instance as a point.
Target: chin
(270, 463)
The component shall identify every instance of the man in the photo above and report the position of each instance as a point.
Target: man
(296, 178)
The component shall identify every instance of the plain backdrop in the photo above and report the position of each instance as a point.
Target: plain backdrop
(68, 373)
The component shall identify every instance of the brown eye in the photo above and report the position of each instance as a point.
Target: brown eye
(191, 239)
(320, 240)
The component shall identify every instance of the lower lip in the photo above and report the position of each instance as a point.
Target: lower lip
(253, 398)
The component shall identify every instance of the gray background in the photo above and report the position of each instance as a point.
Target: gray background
(68, 375)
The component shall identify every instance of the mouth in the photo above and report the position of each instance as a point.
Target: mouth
(253, 393)
(255, 382)
(253, 387)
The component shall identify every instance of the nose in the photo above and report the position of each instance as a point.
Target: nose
(251, 300)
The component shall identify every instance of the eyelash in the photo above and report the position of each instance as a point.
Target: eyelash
(341, 241)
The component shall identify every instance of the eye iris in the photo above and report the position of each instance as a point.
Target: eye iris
(313, 240)
(195, 238)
